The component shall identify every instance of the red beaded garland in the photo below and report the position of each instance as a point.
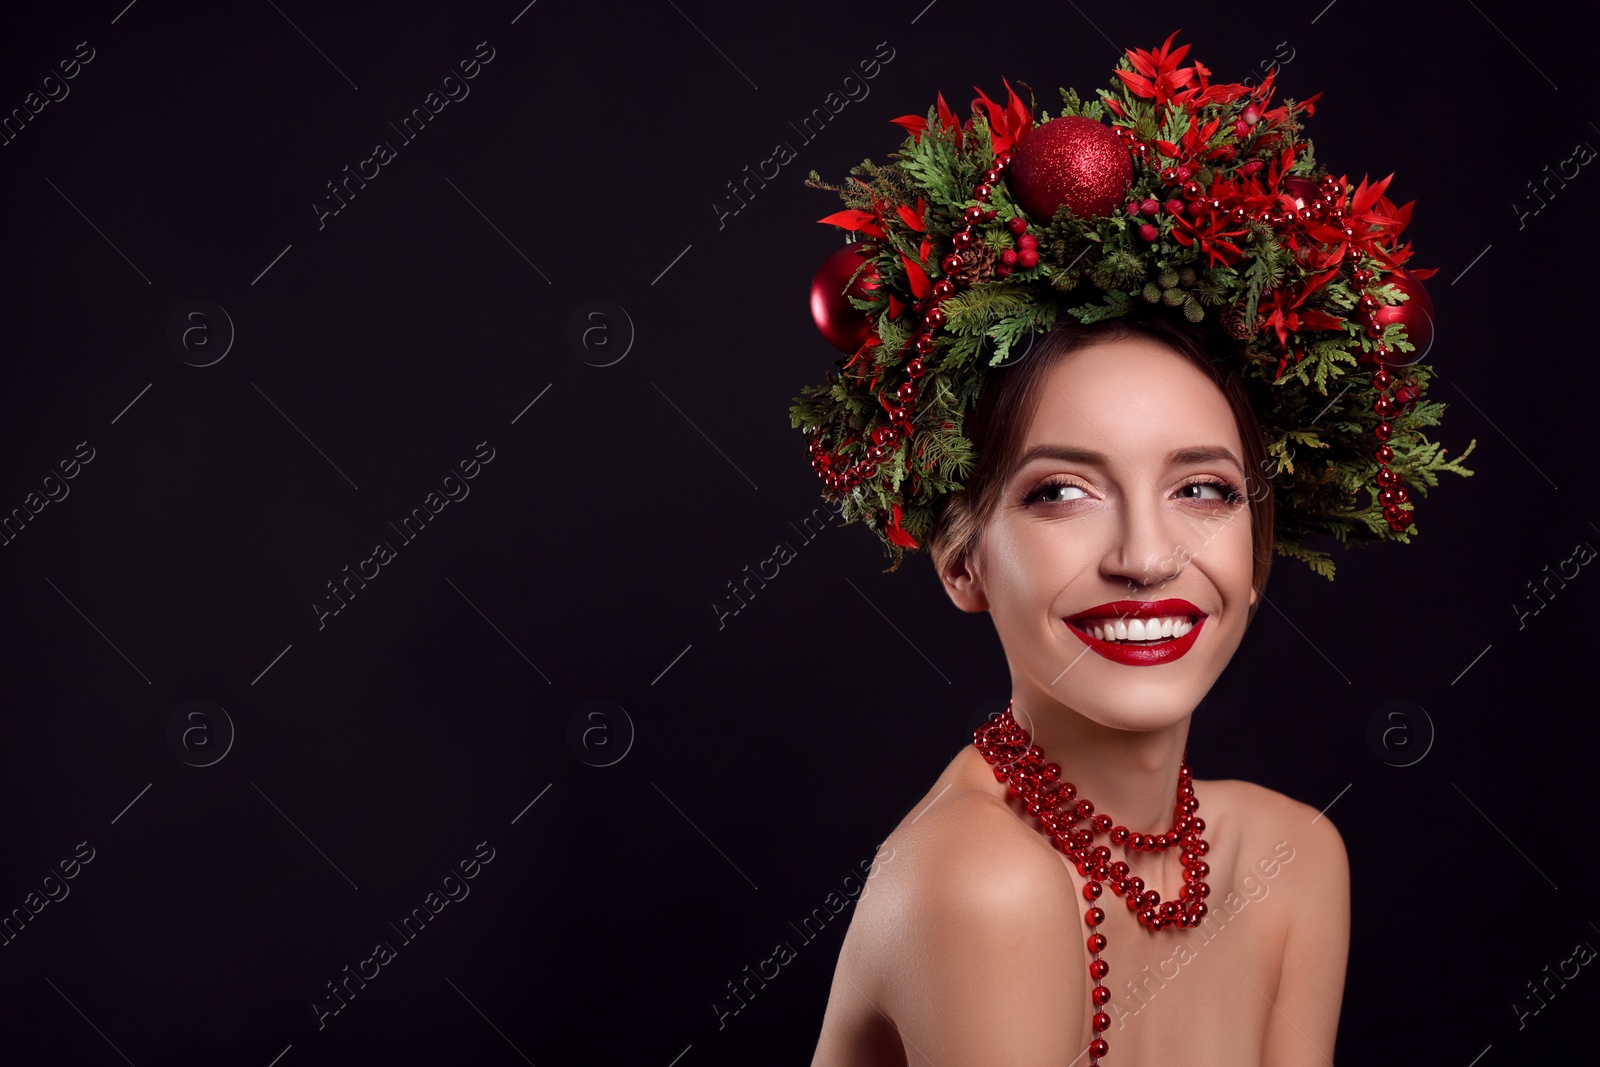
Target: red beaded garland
(1017, 761)
(847, 476)
(1375, 315)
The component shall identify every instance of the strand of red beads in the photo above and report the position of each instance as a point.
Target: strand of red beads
(1020, 763)
(900, 403)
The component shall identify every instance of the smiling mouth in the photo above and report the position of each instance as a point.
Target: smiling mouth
(1136, 631)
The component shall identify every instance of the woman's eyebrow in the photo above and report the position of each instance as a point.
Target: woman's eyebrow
(1069, 454)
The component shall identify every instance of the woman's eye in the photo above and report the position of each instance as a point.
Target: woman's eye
(1057, 492)
(1206, 491)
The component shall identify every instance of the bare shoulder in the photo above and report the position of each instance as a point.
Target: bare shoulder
(973, 929)
(1274, 824)
(1304, 855)
(965, 849)
(961, 846)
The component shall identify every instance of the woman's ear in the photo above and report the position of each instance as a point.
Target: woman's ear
(964, 585)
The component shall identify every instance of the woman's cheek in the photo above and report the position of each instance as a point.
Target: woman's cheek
(1020, 562)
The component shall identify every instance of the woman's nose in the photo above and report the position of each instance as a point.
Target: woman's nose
(1149, 544)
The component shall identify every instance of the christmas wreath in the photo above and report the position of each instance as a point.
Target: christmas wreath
(1168, 194)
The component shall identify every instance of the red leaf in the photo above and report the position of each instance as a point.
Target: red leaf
(1017, 113)
(912, 124)
(1315, 283)
(849, 219)
(1140, 86)
(1172, 61)
(862, 352)
(911, 218)
(1320, 320)
(1007, 125)
(1217, 250)
(1367, 195)
(921, 287)
(895, 533)
(991, 110)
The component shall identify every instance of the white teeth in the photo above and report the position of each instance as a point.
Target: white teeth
(1138, 629)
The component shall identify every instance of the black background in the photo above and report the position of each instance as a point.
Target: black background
(763, 760)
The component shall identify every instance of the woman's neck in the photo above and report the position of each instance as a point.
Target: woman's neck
(1130, 776)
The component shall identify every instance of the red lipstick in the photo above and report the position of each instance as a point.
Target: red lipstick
(1142, 655)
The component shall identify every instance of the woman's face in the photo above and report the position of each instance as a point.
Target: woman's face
(1131, 500)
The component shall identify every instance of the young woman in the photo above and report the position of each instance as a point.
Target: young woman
(1112, 498)
(1117, 480)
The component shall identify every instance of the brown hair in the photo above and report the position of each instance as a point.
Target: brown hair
(1011, 397)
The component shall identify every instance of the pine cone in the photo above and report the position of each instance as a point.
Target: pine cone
(977, 265)
(1233, 321)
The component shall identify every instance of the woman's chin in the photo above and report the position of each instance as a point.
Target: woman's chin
(1140, 703)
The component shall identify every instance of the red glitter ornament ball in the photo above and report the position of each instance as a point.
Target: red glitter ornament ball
(1072, 161)
(845, 327)
(1415, 314)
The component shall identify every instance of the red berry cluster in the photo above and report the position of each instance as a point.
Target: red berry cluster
(830, 466)
(1180, 177)
(1025, 256)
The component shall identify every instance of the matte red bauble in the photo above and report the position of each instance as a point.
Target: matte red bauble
(1072, 161)
(845, 327)
(1415, 314)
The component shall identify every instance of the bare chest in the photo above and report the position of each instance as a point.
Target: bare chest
(1206, 988)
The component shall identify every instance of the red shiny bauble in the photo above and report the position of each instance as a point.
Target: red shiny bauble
(845, 327)
(1071, 161)
(1415, 314)
(1301, 189)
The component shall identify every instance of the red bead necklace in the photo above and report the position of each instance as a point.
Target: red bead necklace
(1058, 808)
